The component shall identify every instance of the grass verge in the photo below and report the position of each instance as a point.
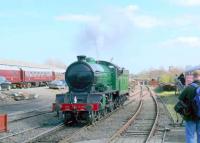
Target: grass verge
(170, 99)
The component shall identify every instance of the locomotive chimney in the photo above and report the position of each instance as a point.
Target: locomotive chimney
(81, 58)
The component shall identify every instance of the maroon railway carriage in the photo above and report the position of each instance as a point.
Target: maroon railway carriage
(21, 76)
(11, 73)
(59, 74)
(36, 76)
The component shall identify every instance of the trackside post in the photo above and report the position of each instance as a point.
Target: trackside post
(3, 123)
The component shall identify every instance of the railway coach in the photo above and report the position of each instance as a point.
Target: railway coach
(95, 88)
(36, 76)
(22, 76)
(11, 73)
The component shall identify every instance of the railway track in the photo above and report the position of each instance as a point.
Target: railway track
(51, 132)
(104, 126)
(14, 117)
(29, 133)
(142, 125)
(64, 134)
(29, 124)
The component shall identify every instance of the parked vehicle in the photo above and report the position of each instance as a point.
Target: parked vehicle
(4, 84)
(57, 84)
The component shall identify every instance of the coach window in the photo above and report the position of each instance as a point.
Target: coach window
(13, 72)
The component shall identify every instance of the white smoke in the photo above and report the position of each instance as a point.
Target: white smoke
(112, 29)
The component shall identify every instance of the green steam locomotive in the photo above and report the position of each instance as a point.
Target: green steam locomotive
(95, 88)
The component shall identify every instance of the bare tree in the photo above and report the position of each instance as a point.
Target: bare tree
(160, 72)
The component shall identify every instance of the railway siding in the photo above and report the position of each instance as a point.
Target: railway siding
(24, 128)
(168, 120)
(66, 134)
(103, 130)
(143, 124)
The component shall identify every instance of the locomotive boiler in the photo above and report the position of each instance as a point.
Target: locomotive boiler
(95, 88)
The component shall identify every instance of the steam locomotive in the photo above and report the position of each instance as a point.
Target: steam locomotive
(95, 88)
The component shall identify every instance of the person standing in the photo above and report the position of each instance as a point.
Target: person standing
(192, 123)
(182, 79)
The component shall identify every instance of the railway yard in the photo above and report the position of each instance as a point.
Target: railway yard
(99, 71)
(97, 102)
(143, 118)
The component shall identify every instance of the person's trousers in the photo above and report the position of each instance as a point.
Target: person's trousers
(192, 128)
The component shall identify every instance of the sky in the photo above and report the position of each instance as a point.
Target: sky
(134, 34)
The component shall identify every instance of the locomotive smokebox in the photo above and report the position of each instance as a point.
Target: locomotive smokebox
(79, 75)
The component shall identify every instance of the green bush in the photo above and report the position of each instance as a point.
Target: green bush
(166, 78)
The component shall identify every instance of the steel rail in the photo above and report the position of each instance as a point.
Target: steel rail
(156, 118)
(132, 119)
(30, 116)
(59, 126)
(125, 126)
(67, 139)
(21, 132)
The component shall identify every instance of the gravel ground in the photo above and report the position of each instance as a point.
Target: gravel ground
(177, 133)
(138, 131)
(46, 98)
(106, 128)
(28, 108)
(164, 122)
(43, 122)
(5, 98)
(24, 115)
(58, 135)
(23, 109)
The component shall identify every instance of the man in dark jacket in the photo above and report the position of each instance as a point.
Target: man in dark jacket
(182, 79)
(192, 125)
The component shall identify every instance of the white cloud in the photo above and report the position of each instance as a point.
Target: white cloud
(129, 13)
(182, 42)
(178, 21)
(144, 21)
(77, 17)
(140, 20)
(132, 8)
(187, 2)
(192, 20)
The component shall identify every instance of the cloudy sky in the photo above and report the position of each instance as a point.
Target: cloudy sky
(136, 34)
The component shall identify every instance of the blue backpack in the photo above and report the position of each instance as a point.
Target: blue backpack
(196, 100)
